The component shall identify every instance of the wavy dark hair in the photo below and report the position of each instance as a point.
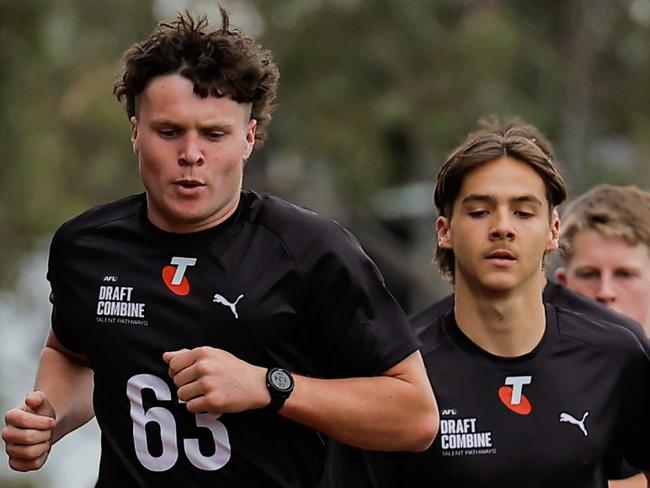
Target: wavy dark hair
(514, 138)
(218, 62)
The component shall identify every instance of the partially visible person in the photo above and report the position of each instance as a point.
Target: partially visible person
(217, 330)
(605, 245)
(530, 394)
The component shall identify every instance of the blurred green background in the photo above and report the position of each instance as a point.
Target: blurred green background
(373, 94)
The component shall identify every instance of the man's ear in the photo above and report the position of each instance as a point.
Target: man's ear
(134, 134)
(560, 275)
(443, 233)
(554, 238)
(250, 138)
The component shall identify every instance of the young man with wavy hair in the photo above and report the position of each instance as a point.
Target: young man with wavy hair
(530, 394)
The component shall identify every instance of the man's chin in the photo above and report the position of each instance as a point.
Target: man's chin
(182, 219)
(499, 284)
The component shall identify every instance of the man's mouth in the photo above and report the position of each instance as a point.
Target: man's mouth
(501, 254)
(189, 184)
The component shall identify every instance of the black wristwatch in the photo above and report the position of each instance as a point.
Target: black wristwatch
(280, 384)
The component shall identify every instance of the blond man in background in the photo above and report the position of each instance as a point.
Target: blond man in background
(605, 242)
(606, 249)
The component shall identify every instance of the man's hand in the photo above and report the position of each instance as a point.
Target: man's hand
(213, 380)
(28, 432)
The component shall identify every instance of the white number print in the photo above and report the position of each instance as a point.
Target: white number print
(167, 425)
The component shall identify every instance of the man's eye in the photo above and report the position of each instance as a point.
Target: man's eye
(626, 274)
(167, 133)
(215, 136)
(588, 274)
(477, 213)
(524, 214)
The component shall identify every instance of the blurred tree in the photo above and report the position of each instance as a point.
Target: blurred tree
(382, 89)
(61, 130)
(373, 95)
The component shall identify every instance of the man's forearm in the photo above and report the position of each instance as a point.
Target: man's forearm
(395, 412)
(68, 384)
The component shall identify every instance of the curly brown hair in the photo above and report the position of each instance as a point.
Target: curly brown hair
(218, 62)
(495, 139)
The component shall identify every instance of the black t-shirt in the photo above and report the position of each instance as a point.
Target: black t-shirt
(275, 285)
(554, 293)
(563, 297)
(581, 394)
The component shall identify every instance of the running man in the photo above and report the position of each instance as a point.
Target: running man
(218, 330)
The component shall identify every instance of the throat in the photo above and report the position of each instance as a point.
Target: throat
(508, 327)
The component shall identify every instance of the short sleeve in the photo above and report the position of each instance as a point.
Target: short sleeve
(635, 421)
(354, 317)
(62, 324)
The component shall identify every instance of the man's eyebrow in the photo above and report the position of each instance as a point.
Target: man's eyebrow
(223, 124)
(162, 121)
(528, 198)
(206, 126)
(480, 197)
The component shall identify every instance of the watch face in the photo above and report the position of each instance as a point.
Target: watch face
(281, 380)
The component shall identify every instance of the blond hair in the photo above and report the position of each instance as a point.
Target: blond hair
(621, 212)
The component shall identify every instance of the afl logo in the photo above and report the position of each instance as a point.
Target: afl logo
(174, 275)
(512, 395)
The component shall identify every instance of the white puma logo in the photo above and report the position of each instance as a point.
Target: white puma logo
(223, 301)
(565, 417)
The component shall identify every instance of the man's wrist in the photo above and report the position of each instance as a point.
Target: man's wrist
(280, 384)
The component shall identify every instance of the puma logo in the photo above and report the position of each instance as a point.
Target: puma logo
(223, 301)
(565, 417)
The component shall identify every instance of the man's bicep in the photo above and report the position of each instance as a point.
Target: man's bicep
(410, 368)
(53, 342)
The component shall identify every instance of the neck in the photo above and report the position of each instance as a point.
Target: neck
(188, 225)
(505, 323)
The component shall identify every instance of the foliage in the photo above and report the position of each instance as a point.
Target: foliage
(373, 95)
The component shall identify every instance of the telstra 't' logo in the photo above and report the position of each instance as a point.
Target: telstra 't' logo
(512, 395)
(174, 275)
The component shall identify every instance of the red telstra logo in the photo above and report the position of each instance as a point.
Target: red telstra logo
(512, 395)
(174, 275)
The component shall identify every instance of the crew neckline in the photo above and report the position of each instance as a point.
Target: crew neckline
(459, 338)
(217, 230)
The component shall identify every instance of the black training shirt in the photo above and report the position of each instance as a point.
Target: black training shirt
(275, 285)
(550, 418)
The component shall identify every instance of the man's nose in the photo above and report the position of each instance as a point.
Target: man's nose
(502, 227)
(190, 153)
(606, 292)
